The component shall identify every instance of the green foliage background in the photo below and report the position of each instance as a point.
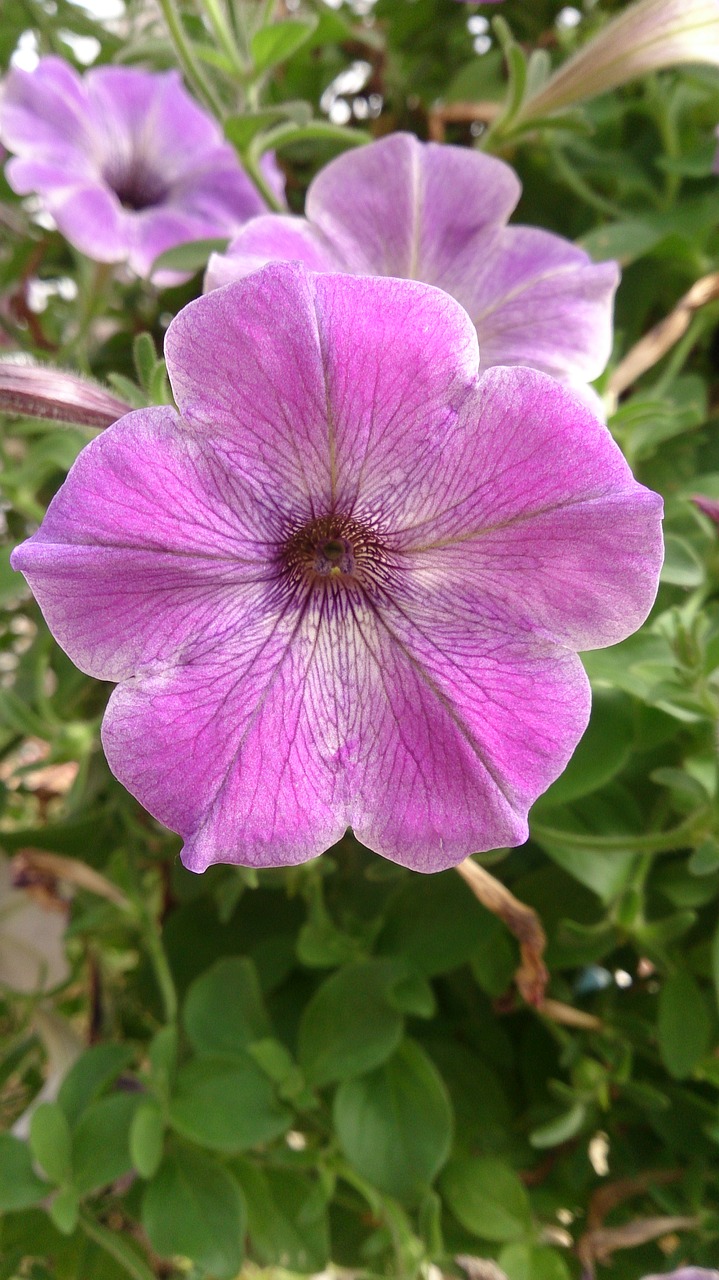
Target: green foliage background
(332, 1062)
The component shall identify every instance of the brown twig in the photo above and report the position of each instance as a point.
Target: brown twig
(531, 976)
(443, 114)
(598, 1242)
(31, 862)
(655, 344)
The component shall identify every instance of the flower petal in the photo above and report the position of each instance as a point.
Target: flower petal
(271, 238)
(234, 721)
(478, 717)
(147, 546)
(538, 300)
(43, 113)
(541, 511)
(399, 207)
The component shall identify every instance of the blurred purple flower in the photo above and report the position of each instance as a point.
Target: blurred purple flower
(346, 587)
(686, 1273)
(124, 160)
(710, 506)
(426, 211)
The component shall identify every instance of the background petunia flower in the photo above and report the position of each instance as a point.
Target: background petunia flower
(124, 160)
(346, 586)
(438, 213)
(686, 1273)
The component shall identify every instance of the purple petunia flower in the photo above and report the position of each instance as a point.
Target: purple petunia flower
(426, 211)
(346, 586)
(686, 1273)
(124, 160)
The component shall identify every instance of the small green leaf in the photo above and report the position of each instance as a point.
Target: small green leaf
(51, 1141)
(287, 1217)
(277, 42)
(532, 1262)
(20, 1186)
(190, 257)
(100, 1142)
(144, 357)
(565, 1126)
(395, 1124)
(227, 1104)
(64, 1210)
(147, 1139)
(683, 1024)
(486, 1196)
(349, 1025)
(194, 1209)
(90, 1075)
(223, 1011)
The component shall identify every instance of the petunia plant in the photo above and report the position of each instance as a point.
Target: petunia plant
(359, 640)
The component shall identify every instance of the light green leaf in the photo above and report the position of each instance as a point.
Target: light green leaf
(223, 1011)
(683, 1024)
(227, 1104)
(278, 41)
(486, 1196)
(20, 1186)
(51, 1141)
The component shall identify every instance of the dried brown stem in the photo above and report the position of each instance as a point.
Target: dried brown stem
(29, 863)
(521, 920)
(655, 344)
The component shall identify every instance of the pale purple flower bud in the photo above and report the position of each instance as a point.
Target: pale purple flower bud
(345, 585)
(41, 391)
(647, 36)
(124, 160)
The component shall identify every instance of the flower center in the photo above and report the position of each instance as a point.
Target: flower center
(136, 185)
(334, 551)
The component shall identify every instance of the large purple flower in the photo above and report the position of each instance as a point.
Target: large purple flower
(124, 160)
(425, 211)
(346, 585)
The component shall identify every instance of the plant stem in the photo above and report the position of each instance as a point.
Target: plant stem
(116, 1247)
(186, 56)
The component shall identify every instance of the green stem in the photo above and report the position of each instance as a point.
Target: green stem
(160, 964)
(189, 63)
(657, 842)
(223, 34)
(116, 1247)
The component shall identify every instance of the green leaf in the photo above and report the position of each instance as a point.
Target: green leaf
(349, 1025)
(20, 1186)
(240, 130)
(194, 1209)
(395, 1124)
(224, 1011)
(189, 257)
(486, 1196)
(65, 1209)
(604, 749)
(147, 1139)
(94, 1070)
(100, 1142)
(277, 42)
(532, 1262)
(144, 358)
(683, 1024)
(51, 1141)
(434, 923)
(565, 1126)
(227, 1104)
(286, 1217)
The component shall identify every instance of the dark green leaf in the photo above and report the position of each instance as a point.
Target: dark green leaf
(683, 1025)
(395, 1124)
(227, 1104)
(223, 1011)
(20, 1186)
(350, 1025)
(193, 1208)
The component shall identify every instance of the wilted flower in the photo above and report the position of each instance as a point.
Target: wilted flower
(124, 160)
(346, 586)
(425, 211)
(32, 952)
(645, 37)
